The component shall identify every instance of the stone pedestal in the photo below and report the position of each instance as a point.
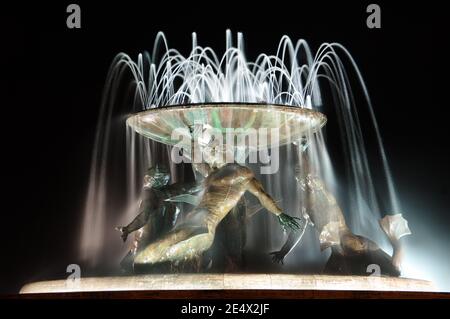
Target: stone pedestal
(229, 282)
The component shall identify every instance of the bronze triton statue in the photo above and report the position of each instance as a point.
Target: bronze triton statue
(157, 214)
(351, 254)
(223, 188)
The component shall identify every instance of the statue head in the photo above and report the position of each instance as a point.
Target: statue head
(156, 177)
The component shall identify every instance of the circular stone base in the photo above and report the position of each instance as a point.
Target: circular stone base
(229, 282)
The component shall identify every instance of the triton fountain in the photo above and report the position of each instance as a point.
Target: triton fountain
(225, 140)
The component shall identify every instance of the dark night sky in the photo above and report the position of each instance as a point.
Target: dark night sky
(54, 78)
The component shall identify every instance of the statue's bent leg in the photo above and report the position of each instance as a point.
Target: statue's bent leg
(138, 222)
(181, 244)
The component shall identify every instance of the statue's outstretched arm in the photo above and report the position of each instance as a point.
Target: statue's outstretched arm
(182, 188)
(291, 242)
(138, 222)
(183, 193)
(255, 187)
(201, 167)
(293, 239)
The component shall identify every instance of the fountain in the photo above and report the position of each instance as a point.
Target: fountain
(183, 114)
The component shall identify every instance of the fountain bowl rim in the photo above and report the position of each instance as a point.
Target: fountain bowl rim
(285, 107)
(134, 119)
(228, 104)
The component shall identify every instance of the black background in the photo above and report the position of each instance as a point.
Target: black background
(53, 79)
